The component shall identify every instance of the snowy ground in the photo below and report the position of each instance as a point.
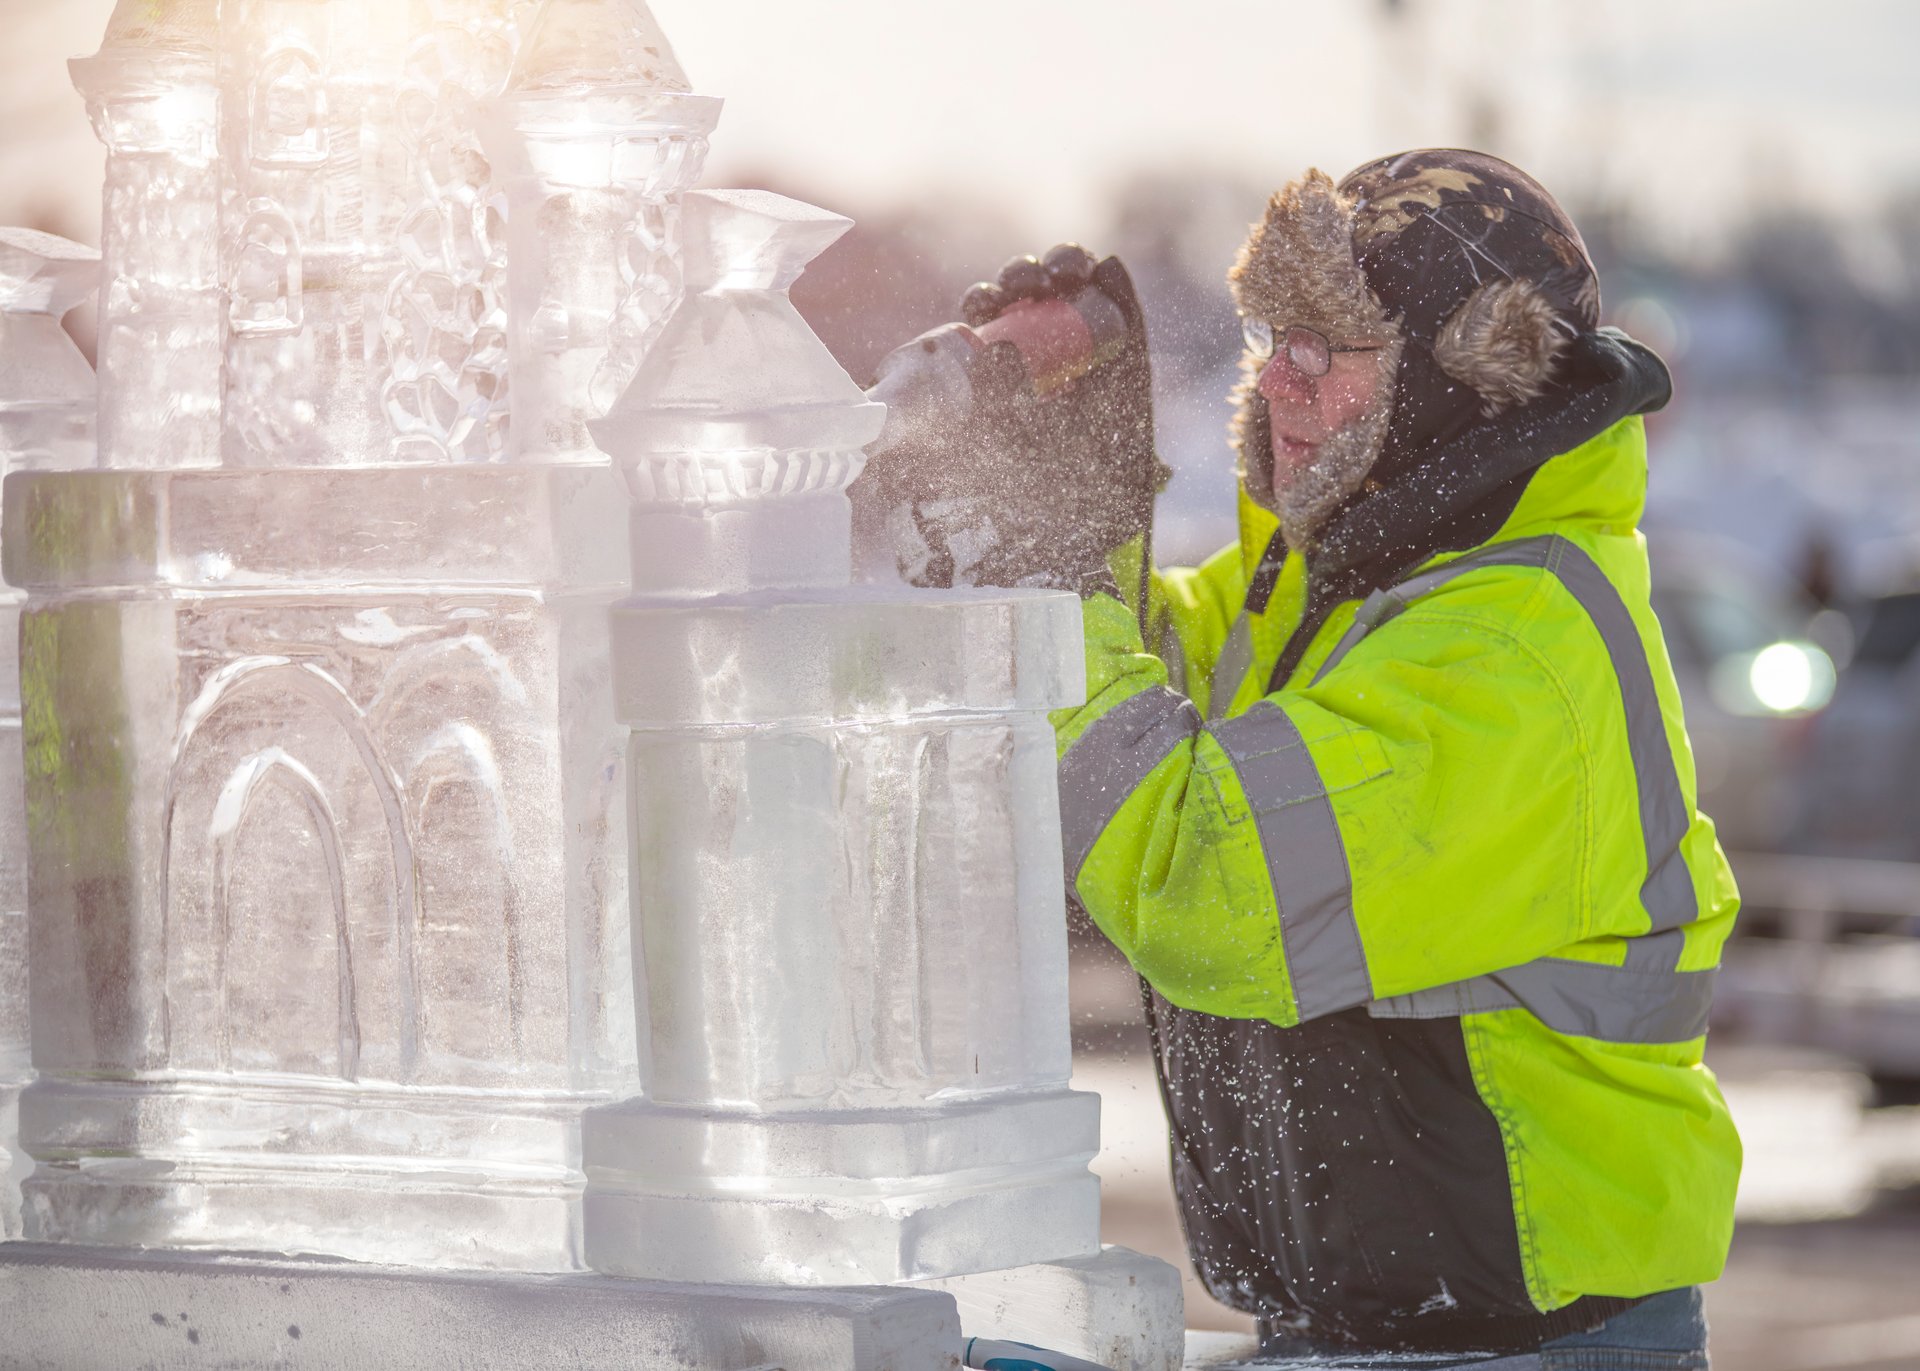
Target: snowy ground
(1826, 1261)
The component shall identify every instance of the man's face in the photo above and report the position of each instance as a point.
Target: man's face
(1305, 411)
(1328, 401)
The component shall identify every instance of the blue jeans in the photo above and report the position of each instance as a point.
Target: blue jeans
(1667, 1332)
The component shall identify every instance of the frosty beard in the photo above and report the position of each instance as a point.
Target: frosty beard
(1336, 471)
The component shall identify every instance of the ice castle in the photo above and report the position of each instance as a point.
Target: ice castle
(451, 849)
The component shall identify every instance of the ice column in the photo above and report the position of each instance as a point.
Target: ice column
(151, 94)
(844, 825)
(46, 421)
(598, 135)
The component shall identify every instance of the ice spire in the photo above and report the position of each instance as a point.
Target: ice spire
(597, 135)
(188, 27)
(740, 434)
(597, 42)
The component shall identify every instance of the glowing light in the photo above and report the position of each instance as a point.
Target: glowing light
(1781, 677)
(1786, 677)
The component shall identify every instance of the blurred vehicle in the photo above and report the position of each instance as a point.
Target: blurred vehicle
(1754, 680)
(1863, 765)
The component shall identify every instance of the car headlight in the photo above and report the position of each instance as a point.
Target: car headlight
(1788, 677)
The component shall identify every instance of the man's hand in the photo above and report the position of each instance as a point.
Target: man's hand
(1054, 465)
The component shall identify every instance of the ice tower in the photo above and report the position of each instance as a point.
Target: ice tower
(846, 880)
(46, 423)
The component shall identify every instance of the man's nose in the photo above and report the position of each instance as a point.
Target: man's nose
(1281, 382)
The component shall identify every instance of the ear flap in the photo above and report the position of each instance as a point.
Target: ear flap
(1504, 342)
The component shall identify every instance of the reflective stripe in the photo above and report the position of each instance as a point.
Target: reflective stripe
(1114, 755)
(1236, 660)
(1648, 999)
(1667, 892)
(1584, 999)
(1306, 859)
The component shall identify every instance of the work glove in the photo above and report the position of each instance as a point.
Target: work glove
(1039, 484)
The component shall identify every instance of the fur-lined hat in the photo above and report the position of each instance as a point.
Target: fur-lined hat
(1460, 254)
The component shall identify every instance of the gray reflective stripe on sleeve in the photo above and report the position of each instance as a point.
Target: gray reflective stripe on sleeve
(1584, 999)
(1667, 892)
(1114, 755)
(1306, 859)
(1235, 661)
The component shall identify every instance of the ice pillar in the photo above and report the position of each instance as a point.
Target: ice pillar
(46, 422)
(597, 137)
(151, 93)
(846, 858)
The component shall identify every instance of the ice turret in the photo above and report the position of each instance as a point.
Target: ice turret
(596, 138)
(846, 853)
(151, 93)
(739, 438)
(46, 421)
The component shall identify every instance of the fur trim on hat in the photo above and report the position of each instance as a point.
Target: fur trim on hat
(1297, 266)
(1504, 342)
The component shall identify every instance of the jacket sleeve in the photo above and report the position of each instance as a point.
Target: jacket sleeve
(1419, 816)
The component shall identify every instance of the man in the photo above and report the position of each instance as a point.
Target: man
(1398, 823)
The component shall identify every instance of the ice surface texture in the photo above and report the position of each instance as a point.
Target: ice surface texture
(325, 790)
(846, 855)
(46, 423)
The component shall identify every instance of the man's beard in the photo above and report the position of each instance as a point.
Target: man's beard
(1335, 472)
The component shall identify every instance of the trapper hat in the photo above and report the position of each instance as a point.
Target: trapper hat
(1462, 264)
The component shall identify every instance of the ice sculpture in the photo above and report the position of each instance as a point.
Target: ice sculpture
(846, 880)
(46, 422)
(329, 906)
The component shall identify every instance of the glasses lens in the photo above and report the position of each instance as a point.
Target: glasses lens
(1259, 336)
(1309, 351)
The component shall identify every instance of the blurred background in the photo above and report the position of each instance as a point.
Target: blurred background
(1747, 176)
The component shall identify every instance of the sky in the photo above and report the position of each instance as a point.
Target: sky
(1683, 111)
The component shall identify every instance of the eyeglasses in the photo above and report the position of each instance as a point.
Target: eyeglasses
(1310, 350)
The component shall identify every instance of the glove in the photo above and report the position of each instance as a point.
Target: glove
(1045, 476)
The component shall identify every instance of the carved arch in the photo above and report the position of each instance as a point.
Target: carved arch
(232, 684)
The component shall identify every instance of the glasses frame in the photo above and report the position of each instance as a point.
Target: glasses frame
(1309, 351)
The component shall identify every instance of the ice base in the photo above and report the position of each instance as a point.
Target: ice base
(483, 1180)
(74, 1307)
(14, 1164)
(841, 1197)
(1119, 1309)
